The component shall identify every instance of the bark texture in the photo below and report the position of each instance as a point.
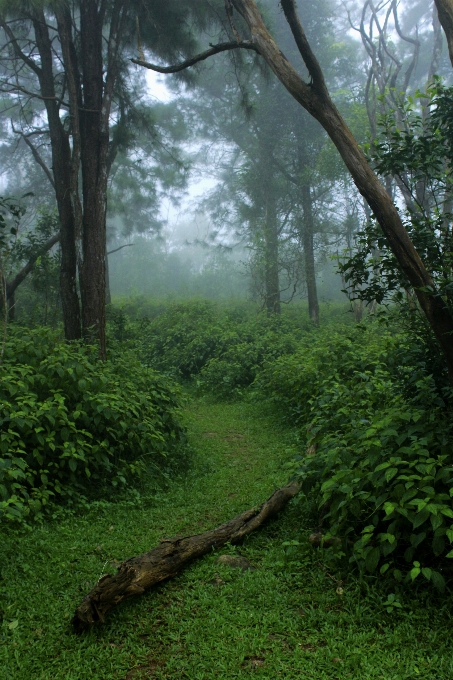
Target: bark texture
(271, 277)
(309, 253)
(62, 166)
(138, 574)
(445, 11)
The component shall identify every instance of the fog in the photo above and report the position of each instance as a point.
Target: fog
(206, 188)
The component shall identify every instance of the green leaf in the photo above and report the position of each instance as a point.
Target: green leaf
(438, 581)
(390, 473)
(372, 559)
(426, 573)
(13, 625)
(414, 573)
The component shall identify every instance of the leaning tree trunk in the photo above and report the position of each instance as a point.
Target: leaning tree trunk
(138, 574)
(445, 10)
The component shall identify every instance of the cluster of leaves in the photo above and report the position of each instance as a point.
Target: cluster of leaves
(414, 147)
(224, 349)
(381, 464)
(69, 424)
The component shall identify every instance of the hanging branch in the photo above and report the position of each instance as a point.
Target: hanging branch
(214, 49)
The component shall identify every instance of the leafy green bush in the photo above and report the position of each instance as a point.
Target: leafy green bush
(244, 354)
(69, 423)
(224, 347)
(383, 465)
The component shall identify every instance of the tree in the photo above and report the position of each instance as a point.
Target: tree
(315, 98)
(70, 57)
(445, 10)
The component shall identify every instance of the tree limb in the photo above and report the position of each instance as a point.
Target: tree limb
(115, 250)
(214, 49)
(138, 574)
(36, 154)
(24, 272)
(307, 54)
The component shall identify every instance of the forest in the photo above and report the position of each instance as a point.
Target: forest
(226, 339)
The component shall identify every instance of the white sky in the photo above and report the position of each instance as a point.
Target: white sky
(158, 90)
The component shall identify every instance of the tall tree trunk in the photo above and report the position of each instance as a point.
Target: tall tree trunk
(271, 279)
(61, 165)
(94, 149)
(309, 253)
(108, 296)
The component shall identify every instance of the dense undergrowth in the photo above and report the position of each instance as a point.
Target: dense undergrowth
(372, 399)
(72, 427)
(367, 401)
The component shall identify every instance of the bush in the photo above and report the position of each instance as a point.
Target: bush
(224, 347)
(70, 423)
(383, 465)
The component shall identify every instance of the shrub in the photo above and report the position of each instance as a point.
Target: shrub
(224, 347)
(383, 465)
(69, 423)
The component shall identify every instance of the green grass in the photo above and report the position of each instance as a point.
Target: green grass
(285, 619)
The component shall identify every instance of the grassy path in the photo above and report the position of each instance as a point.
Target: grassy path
(285, 619)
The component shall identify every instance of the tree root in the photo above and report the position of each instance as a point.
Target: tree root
(138, 574)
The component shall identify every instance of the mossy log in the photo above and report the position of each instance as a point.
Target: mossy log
(138, 574)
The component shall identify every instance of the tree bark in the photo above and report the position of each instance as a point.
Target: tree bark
(445, 11)
(61, 166)
(94, 149)
(309, 253)
(12, 285)
(271, 277)
(138, 574)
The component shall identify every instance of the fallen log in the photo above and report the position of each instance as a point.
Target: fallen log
(138, 574)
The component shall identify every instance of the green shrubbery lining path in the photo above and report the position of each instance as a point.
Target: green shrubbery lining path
(289, 618)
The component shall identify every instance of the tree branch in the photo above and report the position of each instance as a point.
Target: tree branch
(214, 49)
(36, 154)
(30, 63)
(307, 54)
(24, 272)
(115, 250)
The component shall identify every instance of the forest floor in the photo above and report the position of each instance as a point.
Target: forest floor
(288, 618)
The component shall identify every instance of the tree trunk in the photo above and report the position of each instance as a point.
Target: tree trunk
(271, 278)
(12, 285)
(309, 253)
(61, 166)
(94, 150)
(108, 296)
(138, 574)
(315, 98)
(445, 11)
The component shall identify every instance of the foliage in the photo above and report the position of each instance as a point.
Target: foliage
(70, 424)
(383, 467)
(39, 296)
(287, 614)
(223, 347)
(414, 147)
